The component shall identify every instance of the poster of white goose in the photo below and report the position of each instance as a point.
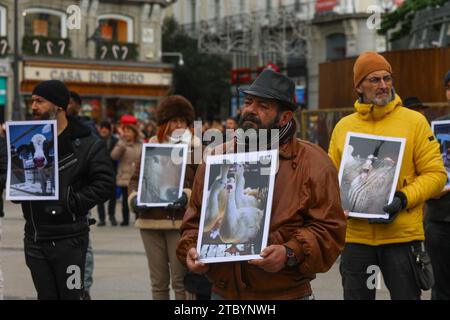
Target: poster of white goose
(32, 160)
(369, 172)
(236, 206)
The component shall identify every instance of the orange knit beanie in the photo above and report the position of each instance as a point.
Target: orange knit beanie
(367, 63)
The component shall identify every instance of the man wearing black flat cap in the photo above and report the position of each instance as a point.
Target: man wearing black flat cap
(307, 225)
(56, 232)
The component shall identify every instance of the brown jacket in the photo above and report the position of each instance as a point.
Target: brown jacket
(128, 156)
(306, 215)
(161, 218)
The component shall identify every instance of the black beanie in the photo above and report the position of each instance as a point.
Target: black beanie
(54, 91)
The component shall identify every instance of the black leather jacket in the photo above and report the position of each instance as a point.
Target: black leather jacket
(86, 178)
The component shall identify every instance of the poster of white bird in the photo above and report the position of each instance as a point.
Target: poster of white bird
(236, 206)
(368, 173)
(32, 160)
(441, 130)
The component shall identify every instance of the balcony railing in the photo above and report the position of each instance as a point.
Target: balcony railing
(46, 46)
(113, 50)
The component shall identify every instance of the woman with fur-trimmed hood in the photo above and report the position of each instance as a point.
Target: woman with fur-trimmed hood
(159, 227)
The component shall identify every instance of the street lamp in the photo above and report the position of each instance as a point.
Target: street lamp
(174, 54)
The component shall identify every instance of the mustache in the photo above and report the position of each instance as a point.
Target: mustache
(382, 91)
(252, 118)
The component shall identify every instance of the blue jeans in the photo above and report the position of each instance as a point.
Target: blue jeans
(88, 280)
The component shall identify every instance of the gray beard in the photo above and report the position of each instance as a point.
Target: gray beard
(380, 102)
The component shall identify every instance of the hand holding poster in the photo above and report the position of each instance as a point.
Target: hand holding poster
(236, 206)
(441, 130)
(161, 178)
(32, 160)
(369, 173)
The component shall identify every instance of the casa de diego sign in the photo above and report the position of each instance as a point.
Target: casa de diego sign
(97, 76)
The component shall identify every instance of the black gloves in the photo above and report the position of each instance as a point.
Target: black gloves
(180, 203)
(136, 208)
(398, 204)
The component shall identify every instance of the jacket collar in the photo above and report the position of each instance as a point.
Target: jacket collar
(374, 112)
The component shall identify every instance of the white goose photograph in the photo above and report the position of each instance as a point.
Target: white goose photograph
(32, 160)
(369, 173)
(237, 202)
(161, 179)
(441, 130)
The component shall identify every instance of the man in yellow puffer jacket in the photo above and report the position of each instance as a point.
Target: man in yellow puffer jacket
(386, 244)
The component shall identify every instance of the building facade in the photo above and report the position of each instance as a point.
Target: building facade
(107, 51)
(292, 35)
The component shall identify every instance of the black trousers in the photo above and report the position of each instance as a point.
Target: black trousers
(57, 267)
(111, 210)
(125, 209)
(395, 263)
(437, 243)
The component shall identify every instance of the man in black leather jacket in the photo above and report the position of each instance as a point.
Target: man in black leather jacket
(56, 232)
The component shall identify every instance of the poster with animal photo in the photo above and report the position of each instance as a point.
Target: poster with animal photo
(441, 130)
(161, 178)
(236, 206)
(369, 173)
(32, 160)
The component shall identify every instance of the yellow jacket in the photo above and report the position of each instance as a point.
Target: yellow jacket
(422, 174)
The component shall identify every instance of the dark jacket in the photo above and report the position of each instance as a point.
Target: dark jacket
(88, 122)
(110, 144)
(86, 178)
(306, 216)
(3, 168)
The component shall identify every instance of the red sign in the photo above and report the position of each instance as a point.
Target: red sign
(398, 3)
(325, 5)
(240, 76)
(270, 66)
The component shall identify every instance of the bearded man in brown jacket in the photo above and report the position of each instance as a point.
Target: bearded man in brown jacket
(307, 227)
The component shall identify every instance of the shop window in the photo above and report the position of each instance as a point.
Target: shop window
(116, 28)
(45, 23)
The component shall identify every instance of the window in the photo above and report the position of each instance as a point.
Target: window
(45, 22)
(241, 6)
(217, 9)
(115, 28)
(336, 46)
(2, 21)
(193, 11)
(297, 5)
(268, 5)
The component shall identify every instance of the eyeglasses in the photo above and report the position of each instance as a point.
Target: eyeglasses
(377, 80)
